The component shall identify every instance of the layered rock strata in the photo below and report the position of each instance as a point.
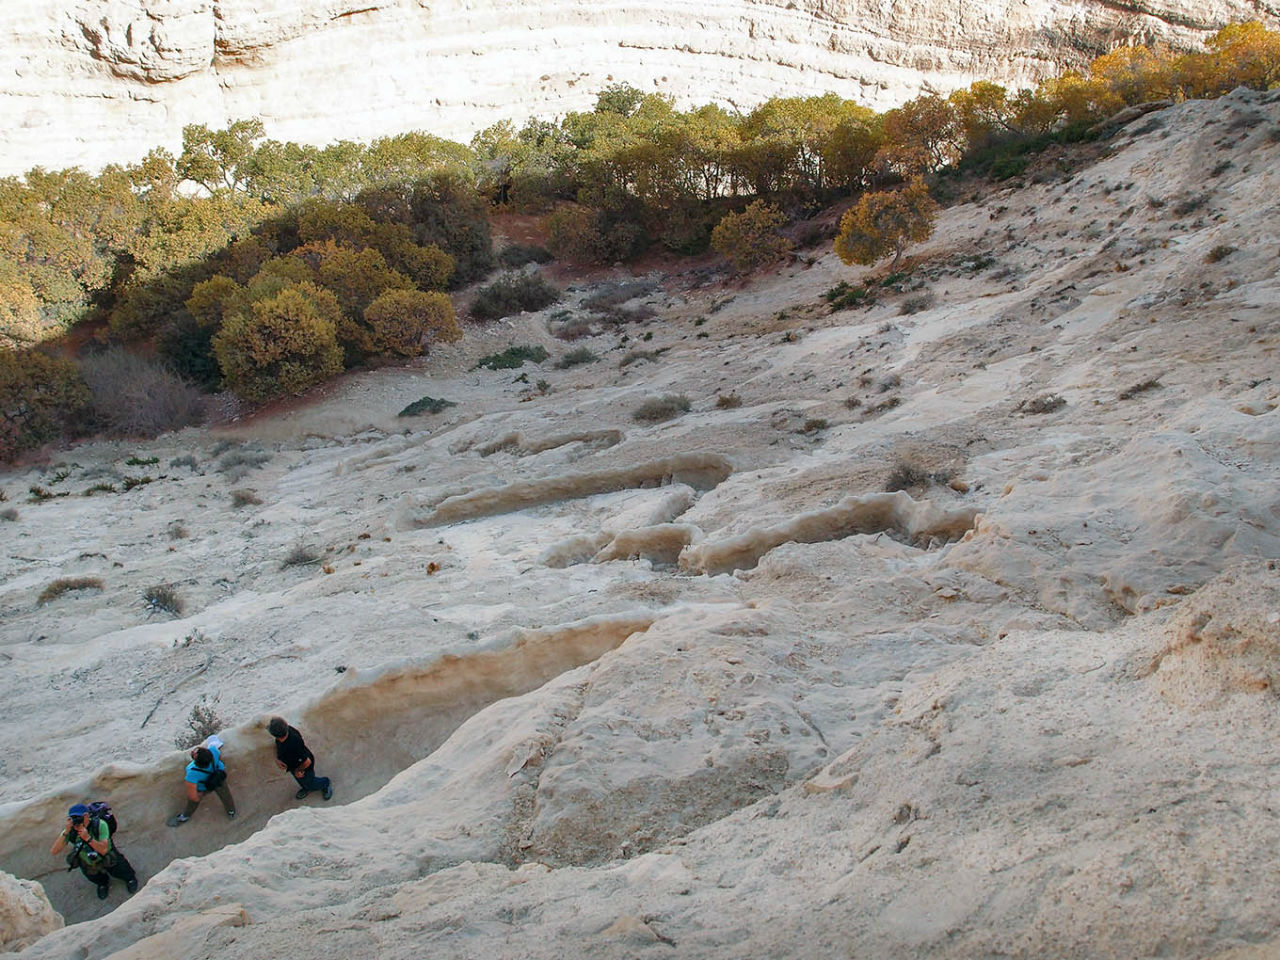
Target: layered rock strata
(93, 82)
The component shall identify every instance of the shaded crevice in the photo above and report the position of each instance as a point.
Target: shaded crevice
(700, 471)
(364, 732)
(919, 523)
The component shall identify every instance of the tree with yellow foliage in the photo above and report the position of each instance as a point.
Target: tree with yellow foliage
(750, 239)
(399, 320)
(884, 223)
(282, 344)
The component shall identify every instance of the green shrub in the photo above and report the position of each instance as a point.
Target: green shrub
(286, 344)
(512, 358)
(661, 408)
(511, 294)
(42, 399)
(845, 297)
(516, 255)
(426, 405)
(575, 358)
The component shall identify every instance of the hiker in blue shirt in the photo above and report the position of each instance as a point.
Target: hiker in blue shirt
(205, 772)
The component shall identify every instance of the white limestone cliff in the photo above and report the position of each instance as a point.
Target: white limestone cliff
(98, 81)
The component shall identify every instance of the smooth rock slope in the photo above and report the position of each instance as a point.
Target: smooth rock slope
(592, 687)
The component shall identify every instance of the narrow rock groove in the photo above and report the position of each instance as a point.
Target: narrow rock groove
(364, 732)
(700, 471)
(920, 523)
(517, 443)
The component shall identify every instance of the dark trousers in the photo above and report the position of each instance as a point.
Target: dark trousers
(114, 864)
(224, 794)
(307, 779)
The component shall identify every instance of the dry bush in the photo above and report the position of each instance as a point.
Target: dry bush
(162, 598)
(574, 329)
(9, 513)
(132, 396)
(661, 408)
(640, 356)
(186, 460)
(177, 531)
(203, 723)
(916, 304)
(66, 584)
(906, 474)
(1047, 403)
(300, 556)
(242, 460)
(613, 295)
(244, 498)
(728, 401)
(1220, 252)
(1138, 388)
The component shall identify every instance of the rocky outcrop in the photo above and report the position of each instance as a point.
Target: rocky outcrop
(96, 81)
(25, 913)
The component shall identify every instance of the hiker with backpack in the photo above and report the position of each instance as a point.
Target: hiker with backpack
(205, 772)
(89, 832)
(292, 755)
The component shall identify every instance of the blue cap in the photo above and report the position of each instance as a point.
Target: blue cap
(79, 810)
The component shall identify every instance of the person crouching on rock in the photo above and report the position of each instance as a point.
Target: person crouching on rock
(205, 772)
(94, 851)
(292, 755)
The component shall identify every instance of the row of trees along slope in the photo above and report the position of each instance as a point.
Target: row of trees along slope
(263, 267)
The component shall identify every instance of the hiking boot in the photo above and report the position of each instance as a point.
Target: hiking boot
(103, 890)
(328, 791)
(301, 794)
(177, 820)
(131, 885)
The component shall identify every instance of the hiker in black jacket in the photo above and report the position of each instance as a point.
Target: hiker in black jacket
(292, 755)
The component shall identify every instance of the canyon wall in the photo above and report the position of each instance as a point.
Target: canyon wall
(96, 81)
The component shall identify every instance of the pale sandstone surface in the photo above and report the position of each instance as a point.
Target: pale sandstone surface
(95, 82)
(25, 913)
(594, 688)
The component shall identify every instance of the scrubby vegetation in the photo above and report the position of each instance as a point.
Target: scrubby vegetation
(265, 267)
(511, 294)
(513, 358)
(426, 405)
(661, 408)
(65, 585)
